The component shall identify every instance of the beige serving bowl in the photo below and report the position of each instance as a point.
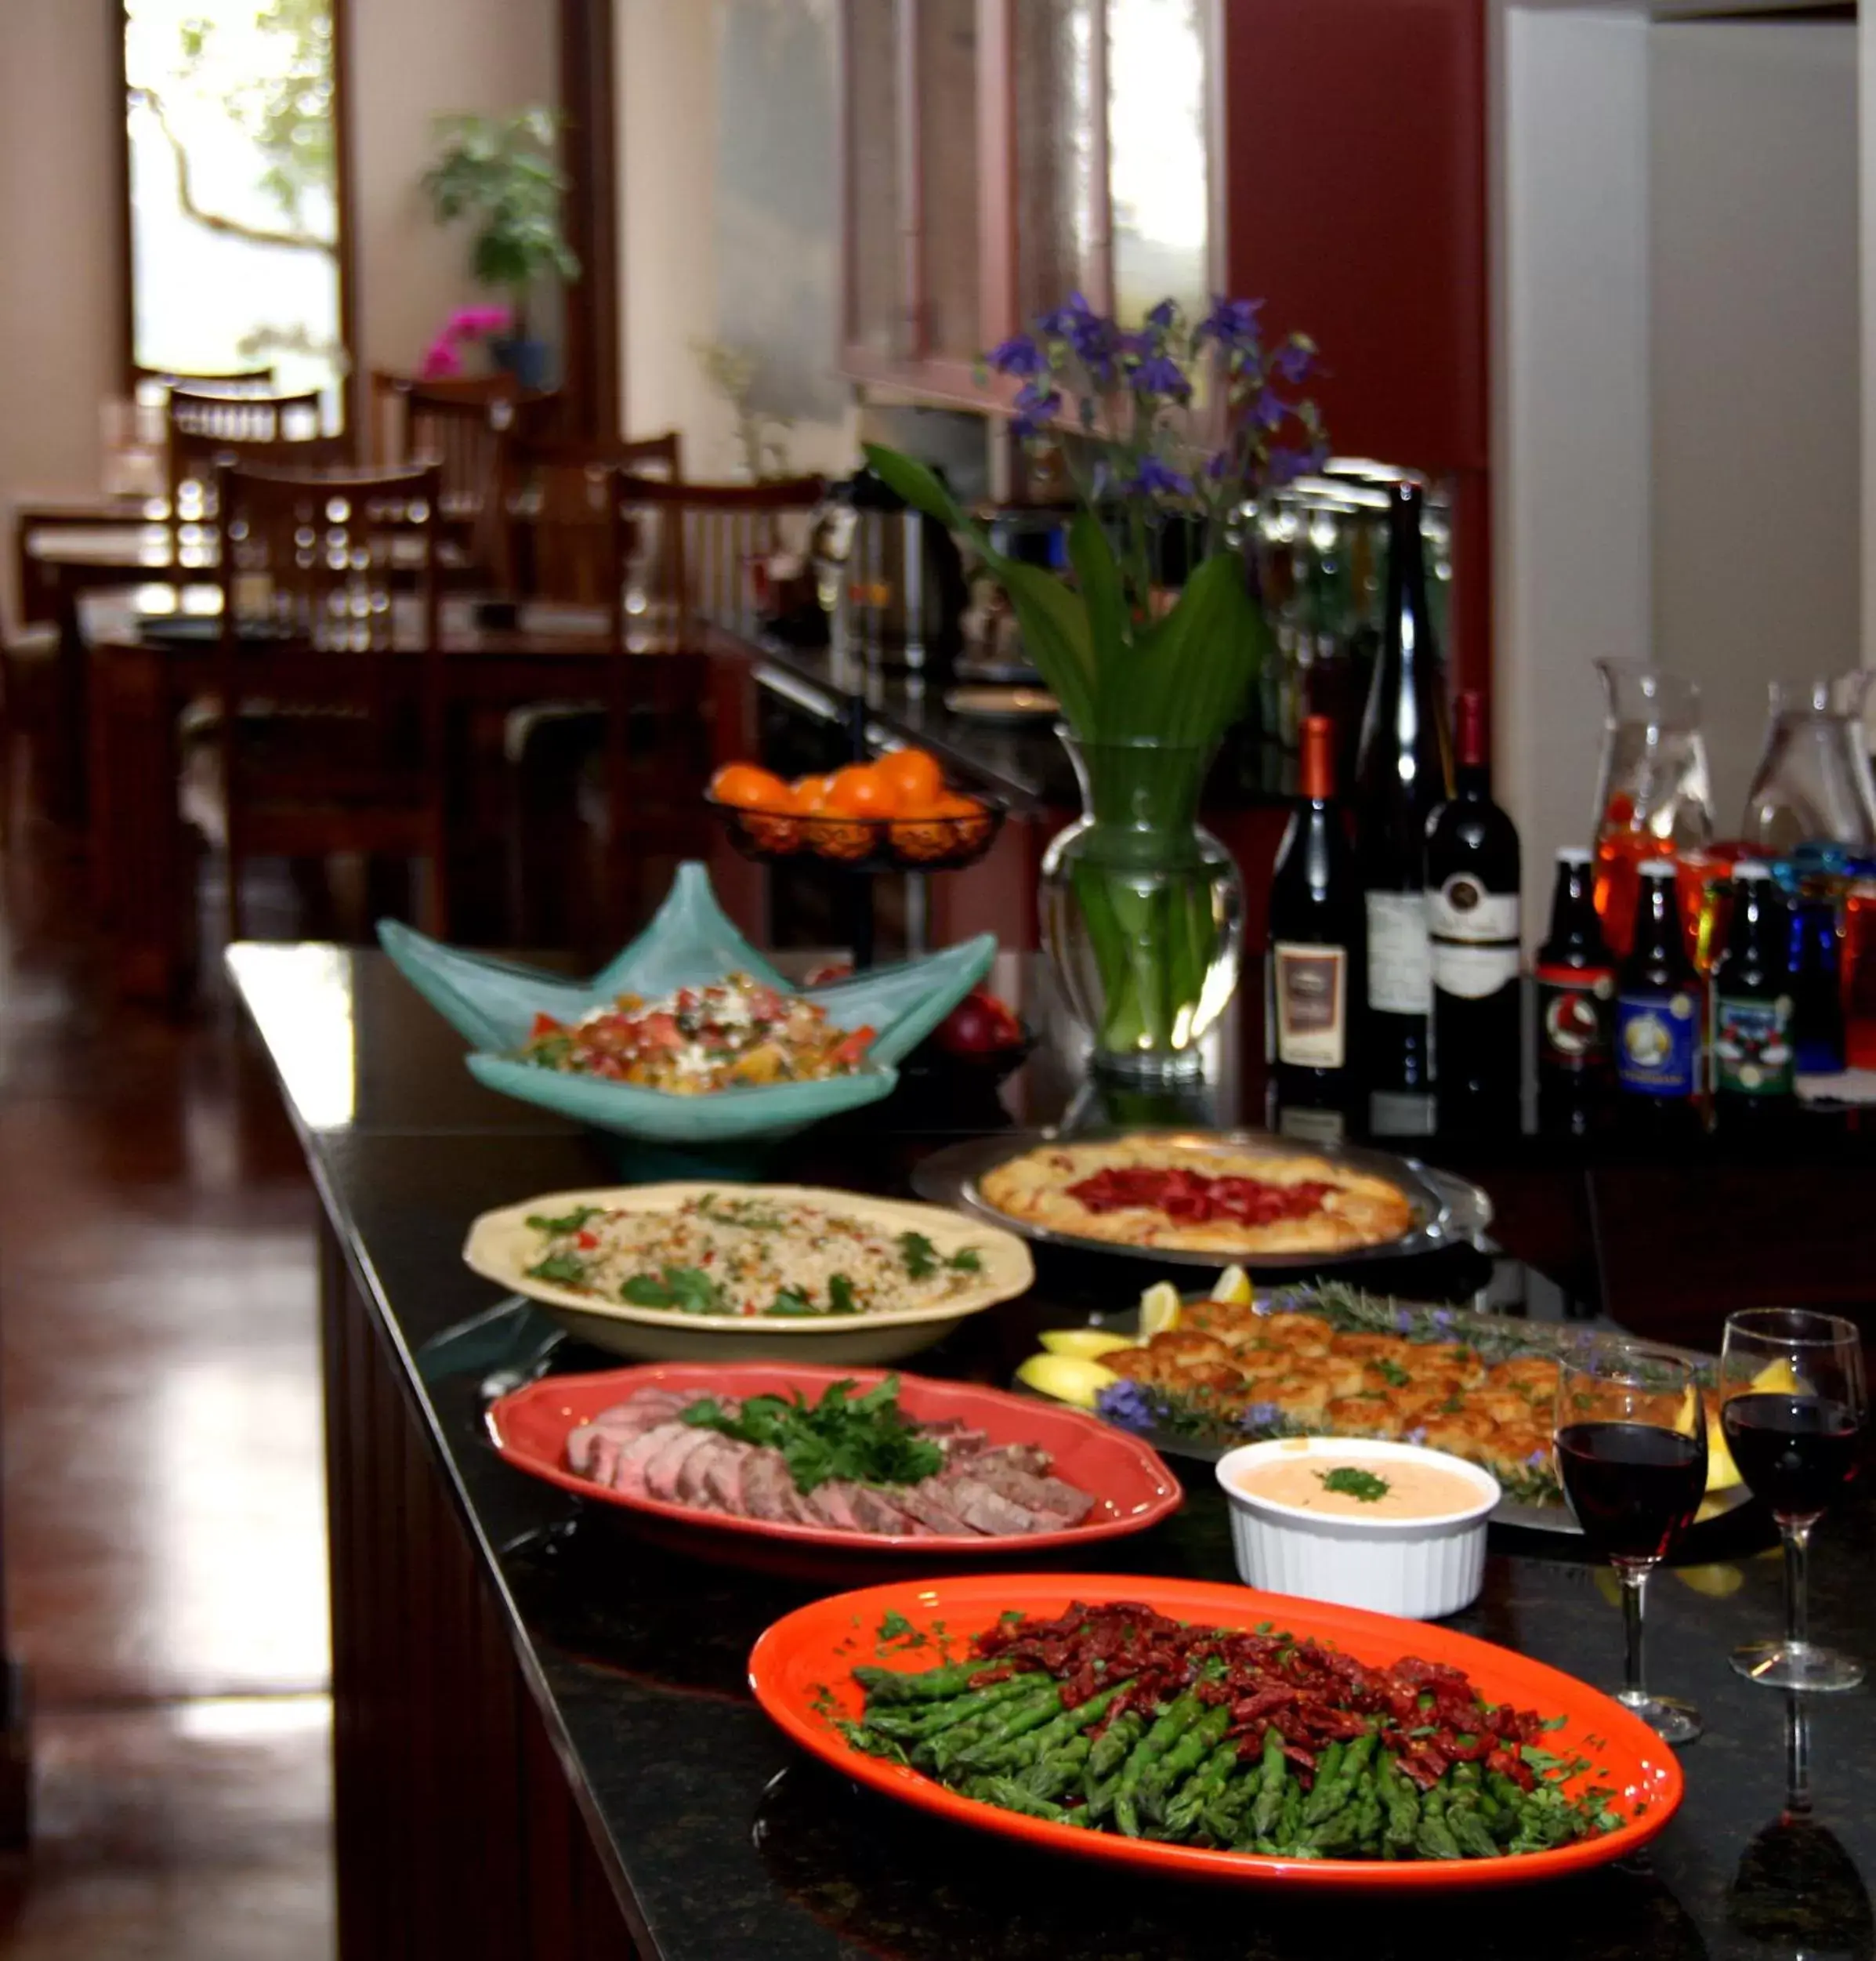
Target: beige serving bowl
(501, 1244)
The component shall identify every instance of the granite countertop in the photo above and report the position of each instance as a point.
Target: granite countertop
(732, 1847)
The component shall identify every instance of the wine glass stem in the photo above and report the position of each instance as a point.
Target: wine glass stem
(1634, 1579)
(1797, 1533)
(1797, 1757)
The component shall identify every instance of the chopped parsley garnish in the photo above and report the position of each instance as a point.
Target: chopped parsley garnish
(1352, 1482)
(565, 1270)
(865, 1439)
(791, 1301)
(922, 1259)
(841, 1298)
(571, 1221)
(688, 1289)
(1393, 1374)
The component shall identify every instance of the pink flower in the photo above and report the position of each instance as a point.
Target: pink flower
(441, 362)
(474, 323)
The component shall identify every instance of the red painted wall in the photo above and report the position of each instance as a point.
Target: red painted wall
(1354, 152)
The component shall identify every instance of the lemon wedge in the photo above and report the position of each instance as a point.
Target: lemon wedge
(1087, 1344)
(1777, 1377)
(1233, 1286)
(1722, 1474)
(1715, 1583)
(1068, 1379)
(1161, 1308)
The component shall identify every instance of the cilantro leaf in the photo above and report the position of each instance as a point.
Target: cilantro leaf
(688, 1289)
(966, 1259)
(564, 1269)
(569, 1222)
(840, 1296)
(920, 1256)
(1352, 1482)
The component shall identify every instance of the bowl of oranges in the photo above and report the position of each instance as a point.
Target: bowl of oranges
(896, 813)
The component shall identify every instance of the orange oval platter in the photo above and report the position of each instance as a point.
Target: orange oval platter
(801, 1672)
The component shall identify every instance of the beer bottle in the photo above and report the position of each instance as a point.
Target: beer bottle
(1657, 1005)
(1753, 1051)
(1575, 985)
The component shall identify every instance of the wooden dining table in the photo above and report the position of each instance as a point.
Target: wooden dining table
(140, 680)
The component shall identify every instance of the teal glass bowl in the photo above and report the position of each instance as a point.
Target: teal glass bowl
(492, 1004)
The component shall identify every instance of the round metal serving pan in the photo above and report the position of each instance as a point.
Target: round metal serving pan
(1446, 1210)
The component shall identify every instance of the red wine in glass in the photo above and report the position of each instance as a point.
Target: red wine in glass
(1796, 1452)
(1634, 1489)
(1631, 1451)
(1793, 1402)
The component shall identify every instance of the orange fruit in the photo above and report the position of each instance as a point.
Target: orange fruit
(747, 788)
(965, 819)
(860, 791)
(914, 775)
(809, 793)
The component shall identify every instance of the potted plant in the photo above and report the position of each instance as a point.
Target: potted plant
(499, 173)
(1168, 431)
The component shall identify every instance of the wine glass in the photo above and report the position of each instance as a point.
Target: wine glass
(1792, 1405)
(1631, 1456)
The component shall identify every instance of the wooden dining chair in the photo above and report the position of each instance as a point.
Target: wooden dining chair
(206, 429)
(563, 514)
(710, 538)
(467, 427)
(329, 703)
(152, 385)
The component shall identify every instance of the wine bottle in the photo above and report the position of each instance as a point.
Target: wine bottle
(1473, 880)
(1316, 939)
(1753, 1042)
(1576, 985)
(1657, 1009)
(1403, 773)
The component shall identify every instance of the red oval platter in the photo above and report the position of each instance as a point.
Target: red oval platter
(802, 1673)
(1133, 1489)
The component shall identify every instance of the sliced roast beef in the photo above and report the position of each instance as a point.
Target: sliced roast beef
(769, 1489)
(662, 1472)
(877, 1512)
(926, 1503)
(629, 1472)
(986, 1510)
(832, 1504)
(1064, 1504)
(723, 1477)
(693, 1482)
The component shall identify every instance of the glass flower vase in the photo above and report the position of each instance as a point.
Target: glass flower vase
(1142, 910)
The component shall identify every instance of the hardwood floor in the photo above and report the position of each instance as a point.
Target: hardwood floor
(159, 1419)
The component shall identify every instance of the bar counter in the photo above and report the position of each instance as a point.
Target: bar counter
(544, 1741)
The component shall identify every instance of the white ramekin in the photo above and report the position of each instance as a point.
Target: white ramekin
(1418, 1568)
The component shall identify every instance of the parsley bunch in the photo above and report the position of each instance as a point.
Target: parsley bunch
(865, 1439)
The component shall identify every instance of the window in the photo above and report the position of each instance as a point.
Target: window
(236, 208)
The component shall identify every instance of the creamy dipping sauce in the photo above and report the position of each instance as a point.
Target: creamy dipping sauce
(1356, 1487)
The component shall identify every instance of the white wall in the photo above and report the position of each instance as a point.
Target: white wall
(677, 218)
(413, 61)
(1573, 566)
(1756, 337)
(60, 352)
(1676, 382)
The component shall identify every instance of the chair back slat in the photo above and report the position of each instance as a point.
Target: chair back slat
(206, 430)
(330, 623)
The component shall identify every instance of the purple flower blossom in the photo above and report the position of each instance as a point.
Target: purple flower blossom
(1271, 411)
(1284, 465)
(1259, 1416)
(1219, 467)
(1018, 355)
(1036, 404)
(1127, 1404)
(1417, 1434)
(1230, 321)
(1155, 478)
(1295, 362)
(1403, 1320)
(1161, 375)
(1163, 315)
(1074, 312)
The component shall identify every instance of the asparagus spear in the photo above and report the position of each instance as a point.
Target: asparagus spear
(1164, 1778)
(927, 1719)
(1028, 1746)
(1059, 1770)
(1273, 1775)
(932, 1685)
(1201, 1790)
(950, 1746)
(1180, 1715)
(1014, 1721)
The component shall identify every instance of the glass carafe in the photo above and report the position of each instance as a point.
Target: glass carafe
(1654, 797)
(1813, 784)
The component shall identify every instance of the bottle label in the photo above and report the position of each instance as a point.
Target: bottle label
(1400, 977)
(1312, 1003)
(1574, 1010)
(1657, 1043)
(1752, 1052)
(1310, 1124)
(1463, 909)
(1473, 973)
